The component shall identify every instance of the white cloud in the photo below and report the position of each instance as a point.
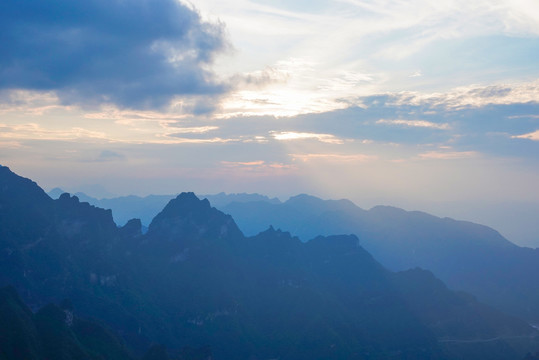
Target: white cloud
(257, 168)
(530, 136)
(291, 135)
(194, 130)
(448, 155)
(414, 123)
(29, 102)
(33, 131)
(180, 140)
(333, 157)
(308, 56)
(472, 96)
(243, 163)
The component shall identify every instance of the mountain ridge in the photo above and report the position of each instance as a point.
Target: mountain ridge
(265, 296)
(403, 239)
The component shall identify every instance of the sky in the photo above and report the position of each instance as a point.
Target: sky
(425, 105)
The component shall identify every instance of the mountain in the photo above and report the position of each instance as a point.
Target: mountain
(195, 281)
(56, 192)
(466, 256)
(52, 333)
(125, 208)
(56, 332)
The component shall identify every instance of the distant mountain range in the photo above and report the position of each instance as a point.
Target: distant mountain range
(146, 208)
(466, 256)
(195, 281)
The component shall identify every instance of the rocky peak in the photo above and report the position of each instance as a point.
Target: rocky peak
(133, 228)
(69, 207)
(188, 217)
(17, 189)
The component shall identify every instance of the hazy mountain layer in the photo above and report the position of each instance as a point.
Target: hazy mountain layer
(465, 255)
(52, 333)
(125, 208)
(195, 280)
(56, 332)
(399, 239)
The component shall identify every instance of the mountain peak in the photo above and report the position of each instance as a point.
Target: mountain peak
(19, 189)
(188, 217)
(273, 233)
(303, 198)
(184, 204)
(191, 198)
(66, 197)
(133, 228)
(313, 203)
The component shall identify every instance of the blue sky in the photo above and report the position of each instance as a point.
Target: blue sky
(421, 104)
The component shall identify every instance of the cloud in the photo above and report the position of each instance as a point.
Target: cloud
(243, 163)
(470, 96)
(414, 123)
(258, 167)
(182, 140)
(29, 102)
(136, 54)
(334, 157)
(448, 155)
(530, 136)
(193, 130)
(260, 78)
(32, 131)
(290, 135)
(292, 87)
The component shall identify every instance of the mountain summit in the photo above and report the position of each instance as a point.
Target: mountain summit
(188, 218)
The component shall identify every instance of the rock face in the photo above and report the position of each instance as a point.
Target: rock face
(194, 280)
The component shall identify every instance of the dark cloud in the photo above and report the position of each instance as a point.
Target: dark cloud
(135, 53)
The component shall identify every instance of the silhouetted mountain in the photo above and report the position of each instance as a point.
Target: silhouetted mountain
(195, 281)
(465, 255)
(188, 218)
(146, 208)
(128, 207)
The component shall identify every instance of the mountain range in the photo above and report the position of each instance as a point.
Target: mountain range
(146, 208)
(194, 281)
(466, 256)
